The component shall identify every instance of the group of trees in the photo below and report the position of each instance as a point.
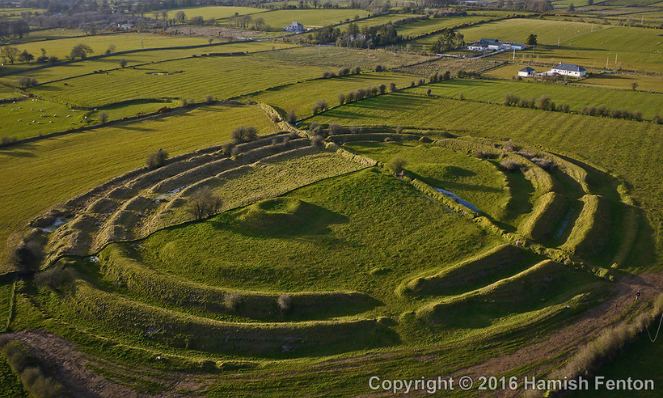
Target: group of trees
(362, 93)
(544, 102)
(368, 36)
(16, 28)
(448, 40)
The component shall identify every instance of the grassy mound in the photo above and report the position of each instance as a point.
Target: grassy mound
(542, 285)
(548, 211)
(588, 236)
(101, 310)
(117, 268)
(502, 261)
(283, 216)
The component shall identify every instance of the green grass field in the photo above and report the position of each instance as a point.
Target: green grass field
(625, 82)
(302, 97)
(427, 26)
(216, 12)
(33, 117)
(626, 148)
(336, 57)
(586, 44)
(72, 164)
(577, 97)
(99, 43)
(471, 179)
(190, 78)
(58, 72)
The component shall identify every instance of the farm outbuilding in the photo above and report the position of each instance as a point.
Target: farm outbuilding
(526, 72)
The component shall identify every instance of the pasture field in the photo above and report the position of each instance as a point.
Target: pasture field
(428, 26)
(310, 18)
(71, 164)
(192, 78)
(51, 34)
(576, 97)
(302, 97)
(474, 180)
(7, 93)
(602, 141)
(59, 72)
(623, 81)
(11, 13)
(382, 19)
(216, 12)
(508, 71)
(337, 57)
(636, 48)
(61, 48)
(33, 117)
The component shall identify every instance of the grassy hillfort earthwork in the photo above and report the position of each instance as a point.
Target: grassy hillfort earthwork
(331, 198)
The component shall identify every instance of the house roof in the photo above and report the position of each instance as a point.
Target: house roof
(569, 67)
(477, 44)
(528, 70)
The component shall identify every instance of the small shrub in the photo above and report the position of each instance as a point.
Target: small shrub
(314, 128)
(341, 99)
(244, 134)
(511, 100)
(27, 82)
(103, 117)
(356, 70)
(484, 155)
(637, 115)
(27, 256)
(656, 119)
(325, 75)
(322, 105)
(355, 130)
(382, 88)
(399, 129)
(209, 99)
(344, 71)
(227, 148)
(428, 91)
(317, 141)
(232, 301)
(157, 159)
(184, 103)
(374, 91)
(123, 63)
(291, 117)
(510, 165)
(335, 128)
(508, 146)
(543, 163)
(6, 141)
(285, 303)
(392, 87)
(379, 68)
(388, 139)
(396, 164)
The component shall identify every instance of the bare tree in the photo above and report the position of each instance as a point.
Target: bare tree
(203, 203)
(157, 159)
(103, 117)
(180, 16)
(123, 62)
(244, 134)
(80, 51)
(9, 54)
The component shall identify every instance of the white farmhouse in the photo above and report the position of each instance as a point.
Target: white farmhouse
(294, 27)
(569, 70)
(477, 46)
(526, 72)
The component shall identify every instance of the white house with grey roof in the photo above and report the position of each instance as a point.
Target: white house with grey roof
(526, 72)
(294, 27)
(569, 70)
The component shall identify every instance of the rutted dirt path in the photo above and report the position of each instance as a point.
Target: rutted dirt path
(564, 340)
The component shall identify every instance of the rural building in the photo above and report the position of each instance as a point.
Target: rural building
(125, 26)
(568, 70)
(477, 46)
(494, 44)
(526, 72)
(294, 27)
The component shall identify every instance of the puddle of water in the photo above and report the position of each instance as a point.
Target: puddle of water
(56, 224)
(458, 199)
(164, 197)
(565, 223)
